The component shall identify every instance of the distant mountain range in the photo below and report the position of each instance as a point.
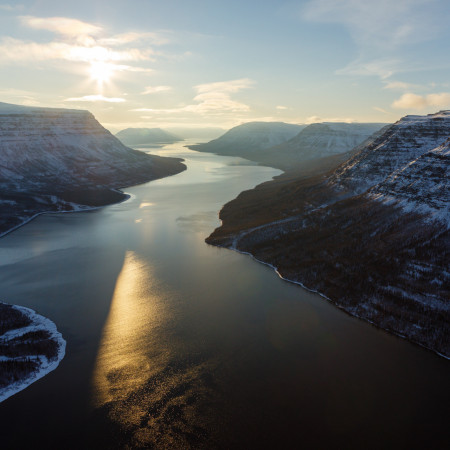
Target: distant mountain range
(319, 140)
(200, 133)
(250, 139)
(372, 235)
(285, 145)
(62, 160)
(146, 136)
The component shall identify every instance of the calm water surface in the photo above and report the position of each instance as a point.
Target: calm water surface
(172, 343)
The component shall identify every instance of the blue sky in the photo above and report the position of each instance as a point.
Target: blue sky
(215, 63)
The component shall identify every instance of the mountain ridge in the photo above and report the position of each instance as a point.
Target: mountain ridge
(379, 249)
(284, 150)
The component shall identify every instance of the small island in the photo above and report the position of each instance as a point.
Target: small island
(30, 347)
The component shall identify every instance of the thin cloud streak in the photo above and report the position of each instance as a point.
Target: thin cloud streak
(380, 30)
(155, 89)
(61, 25)
(95, 98)
(381, 24)
(399, 86)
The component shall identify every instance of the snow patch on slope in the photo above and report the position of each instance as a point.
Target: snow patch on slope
(38, 323)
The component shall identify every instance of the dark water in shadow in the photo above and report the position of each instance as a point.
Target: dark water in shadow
(172, 343)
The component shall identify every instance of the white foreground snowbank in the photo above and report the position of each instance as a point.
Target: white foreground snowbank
(45, 366)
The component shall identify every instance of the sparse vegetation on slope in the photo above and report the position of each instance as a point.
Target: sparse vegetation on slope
(376, 259)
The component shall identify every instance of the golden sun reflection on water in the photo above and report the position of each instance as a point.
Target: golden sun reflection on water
(143, 379)
(126, 356)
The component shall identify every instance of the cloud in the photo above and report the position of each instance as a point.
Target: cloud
(14, 50)
(95, 98)
(225, 86)
(376, 108)
(414, 101)
(399, 85)
(382, 30)
(317, 119)
(10, 8)
(212, 98)
(280, 107)
(216, 96)
(78, 41)
(132, 36)
(383, 68)
(380, 24)
(61, 25)
(156, 89)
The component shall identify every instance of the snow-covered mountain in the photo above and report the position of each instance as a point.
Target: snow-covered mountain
(421, 185)
(400, 145)
(372, 235)
(146, 136)
(319, 140)
(51, 158)
(248, 139)
(286, 146)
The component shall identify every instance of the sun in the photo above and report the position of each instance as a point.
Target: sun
(101, 72)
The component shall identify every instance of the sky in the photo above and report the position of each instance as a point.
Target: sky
(208, 63)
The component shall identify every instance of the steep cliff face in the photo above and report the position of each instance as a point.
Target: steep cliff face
(423, 184)
(402, 143)
(371, 235)
(51, 158)
(42, 148)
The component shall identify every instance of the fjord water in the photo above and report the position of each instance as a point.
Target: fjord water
(172, 343)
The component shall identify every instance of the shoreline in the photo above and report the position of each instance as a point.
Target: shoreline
(230, 240)
(39, 322)
(333, 302)
(84, 208)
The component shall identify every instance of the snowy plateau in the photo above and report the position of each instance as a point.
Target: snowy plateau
(64, 160)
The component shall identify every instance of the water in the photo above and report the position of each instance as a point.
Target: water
(172, 343)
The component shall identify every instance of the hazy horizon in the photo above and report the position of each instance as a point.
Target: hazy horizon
(211, 64)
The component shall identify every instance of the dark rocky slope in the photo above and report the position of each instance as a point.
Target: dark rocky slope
(372, 235)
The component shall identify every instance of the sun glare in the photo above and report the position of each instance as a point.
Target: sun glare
(101, 72)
